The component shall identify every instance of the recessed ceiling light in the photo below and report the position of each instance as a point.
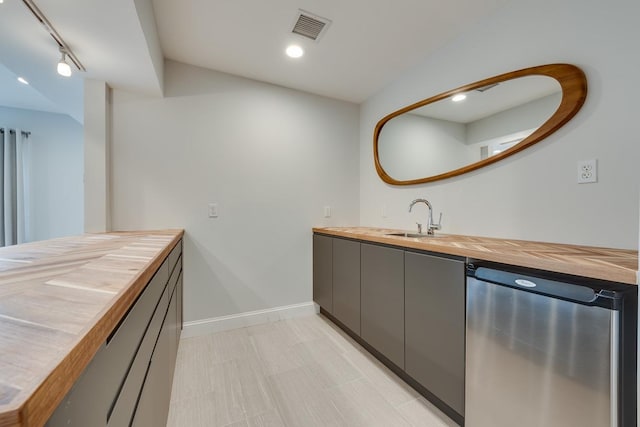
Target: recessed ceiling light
(459, 97)
(21, 79)
(294, 51)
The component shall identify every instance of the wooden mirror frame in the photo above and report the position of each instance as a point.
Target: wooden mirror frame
(574, 92)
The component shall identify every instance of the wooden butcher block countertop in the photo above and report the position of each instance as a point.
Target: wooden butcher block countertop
(59, 301)
(618, 265)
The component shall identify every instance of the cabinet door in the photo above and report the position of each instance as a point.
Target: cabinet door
(322, 272)
(346, 283)
(435, 325)
(153, 405)
(382, 310)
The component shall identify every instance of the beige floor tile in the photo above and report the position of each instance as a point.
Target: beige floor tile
(205, 410)
(340, 337)
(275, 349)
(228, 398)
(421, 413)
(191, 377)
(295, 373)
(302, 402)
(317, 349)
(326, 363)
(308, 328)
(394, 390)
(360, 404)
(256, 394)
(229, 345)
(269, 419)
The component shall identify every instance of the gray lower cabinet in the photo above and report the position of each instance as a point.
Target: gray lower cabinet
(435, 325)
(346, 283)
(153, 406)
(382, 300)
(409, 306)
(109, 392)
(323, 272)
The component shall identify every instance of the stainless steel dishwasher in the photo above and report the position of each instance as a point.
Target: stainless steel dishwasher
(548, 350)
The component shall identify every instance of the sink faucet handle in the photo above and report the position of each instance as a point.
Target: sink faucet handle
(433, 226)
(419, 227)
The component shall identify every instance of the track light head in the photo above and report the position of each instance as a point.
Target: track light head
(63, 68)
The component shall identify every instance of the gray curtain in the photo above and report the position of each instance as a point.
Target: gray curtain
(12, 209)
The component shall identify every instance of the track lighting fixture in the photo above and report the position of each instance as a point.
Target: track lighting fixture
(63, 68)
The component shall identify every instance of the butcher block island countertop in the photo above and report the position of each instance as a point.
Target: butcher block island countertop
(618, 265)
(59, 301)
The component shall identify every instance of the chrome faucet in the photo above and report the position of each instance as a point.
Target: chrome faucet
(430, 224)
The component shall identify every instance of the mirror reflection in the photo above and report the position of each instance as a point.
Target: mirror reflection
(477, 124)
(467, 127)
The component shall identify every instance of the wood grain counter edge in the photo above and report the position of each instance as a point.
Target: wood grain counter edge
(37, 409)
(618, 265)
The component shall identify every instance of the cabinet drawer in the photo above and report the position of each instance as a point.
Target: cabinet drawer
(155, 397)
(174, 255)
(124, 405)
(179, 303)
(85, 404)
(124, 343)
(173, 280)
(90, 400)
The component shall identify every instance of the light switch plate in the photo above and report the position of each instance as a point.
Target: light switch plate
(327, 211)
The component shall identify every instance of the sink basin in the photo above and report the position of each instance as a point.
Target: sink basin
(412, 235)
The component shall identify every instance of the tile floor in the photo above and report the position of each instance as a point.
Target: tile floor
(298, 372)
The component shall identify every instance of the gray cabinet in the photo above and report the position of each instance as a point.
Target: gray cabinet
(153, 406)
(346, 283)
(382, 300)
(409, 306)
(108, 393)
(323, 272)
(435, 325)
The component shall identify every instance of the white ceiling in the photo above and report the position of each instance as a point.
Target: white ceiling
(107, 37)
(367, 45)
(27, 50)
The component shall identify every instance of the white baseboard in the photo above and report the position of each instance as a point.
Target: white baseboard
(235, 321)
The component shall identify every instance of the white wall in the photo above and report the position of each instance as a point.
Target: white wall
(55, 188)
(532, 195)
(270, 157)
(97, 209)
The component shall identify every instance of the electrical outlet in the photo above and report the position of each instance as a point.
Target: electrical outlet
(587, 171)
(213, 210)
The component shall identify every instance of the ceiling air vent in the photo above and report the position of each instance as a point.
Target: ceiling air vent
(310, 25)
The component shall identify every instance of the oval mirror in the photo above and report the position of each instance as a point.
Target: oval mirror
(477, 124)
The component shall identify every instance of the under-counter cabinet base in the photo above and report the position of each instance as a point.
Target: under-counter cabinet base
(434, 325)
(390, 301)
(129, 380)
